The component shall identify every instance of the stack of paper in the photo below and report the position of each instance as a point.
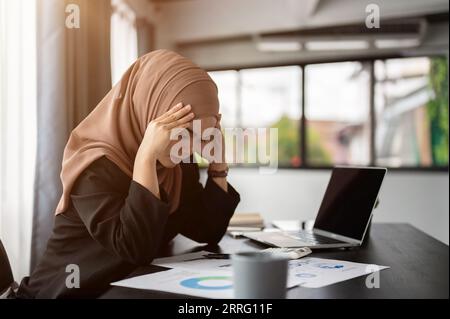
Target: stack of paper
(246, 222)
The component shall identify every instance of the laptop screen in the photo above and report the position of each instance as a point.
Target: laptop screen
(349, 199)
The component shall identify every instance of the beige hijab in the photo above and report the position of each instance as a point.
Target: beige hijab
(115, 128)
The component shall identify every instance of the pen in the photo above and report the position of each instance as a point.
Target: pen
(210, 256)
(217, 256)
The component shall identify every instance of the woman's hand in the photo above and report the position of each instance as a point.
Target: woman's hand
(155, 143)
(157, 135)
(222, 165)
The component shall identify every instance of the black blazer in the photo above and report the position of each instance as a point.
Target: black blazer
(114, 224)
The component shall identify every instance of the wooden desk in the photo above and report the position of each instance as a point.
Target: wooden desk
(419, 266)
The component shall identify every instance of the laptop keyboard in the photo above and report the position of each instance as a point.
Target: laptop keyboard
(314, 238)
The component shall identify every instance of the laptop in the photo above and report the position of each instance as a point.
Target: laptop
(344, 214)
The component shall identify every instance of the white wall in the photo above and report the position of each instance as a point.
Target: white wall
(419, 198)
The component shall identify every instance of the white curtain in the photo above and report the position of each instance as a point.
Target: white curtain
(124, 46)
(17, 129)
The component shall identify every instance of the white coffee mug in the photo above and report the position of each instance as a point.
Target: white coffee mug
(259, 275)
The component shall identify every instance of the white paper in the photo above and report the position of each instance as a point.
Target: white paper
(313, 272)
(195, 275)
(186, 282)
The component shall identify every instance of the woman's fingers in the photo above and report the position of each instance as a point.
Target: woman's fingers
(174, 109)
(176, 115)
(186, 119)
(185, 125)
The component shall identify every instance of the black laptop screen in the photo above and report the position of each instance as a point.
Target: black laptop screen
(349, 200)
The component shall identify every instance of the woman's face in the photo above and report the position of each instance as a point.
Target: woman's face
(206, 122)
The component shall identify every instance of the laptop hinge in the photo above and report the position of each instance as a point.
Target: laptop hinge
(336, 236)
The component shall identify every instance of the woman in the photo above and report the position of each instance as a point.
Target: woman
(123, 195)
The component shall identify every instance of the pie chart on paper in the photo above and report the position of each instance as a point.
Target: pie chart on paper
(208, 283)
(329, 266)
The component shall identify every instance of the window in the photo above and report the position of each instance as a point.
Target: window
(264, 98)
(227, 82)
(412, 112)
(270, 98)
(337, 113)
(124, 47)
(391, 112)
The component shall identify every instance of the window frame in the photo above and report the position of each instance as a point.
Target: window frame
(370, 60)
